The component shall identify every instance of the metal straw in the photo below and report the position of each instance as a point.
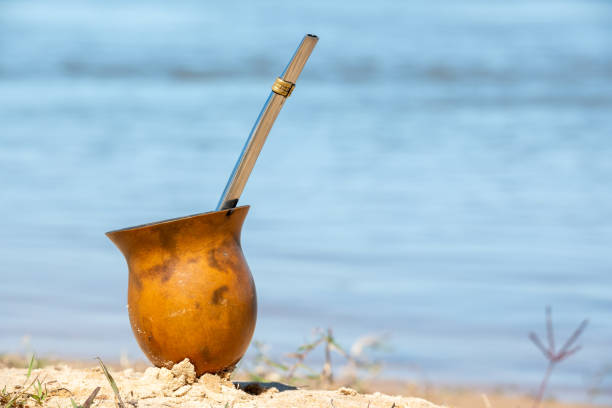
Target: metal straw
(282, 88)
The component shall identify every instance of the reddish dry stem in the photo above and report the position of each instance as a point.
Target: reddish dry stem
(551, 355)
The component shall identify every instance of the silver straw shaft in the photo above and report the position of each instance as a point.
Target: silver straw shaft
(281, 90)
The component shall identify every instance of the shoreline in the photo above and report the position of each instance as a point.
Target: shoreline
(148, 386)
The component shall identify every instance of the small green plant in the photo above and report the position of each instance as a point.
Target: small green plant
(19, 399)
(112, 383)
(30, 366)
(40, 392)
(298, 370)
(35, 390)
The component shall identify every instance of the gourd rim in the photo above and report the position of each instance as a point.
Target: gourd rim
(229, 211)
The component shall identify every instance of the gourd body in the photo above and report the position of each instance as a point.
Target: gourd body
(190, 290)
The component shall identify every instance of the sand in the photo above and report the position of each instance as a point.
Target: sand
(179, 387)
(145, 386)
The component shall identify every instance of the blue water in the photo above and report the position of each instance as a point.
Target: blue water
(440, 174)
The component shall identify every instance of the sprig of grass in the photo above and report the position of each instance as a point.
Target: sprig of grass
(19, 399)
(112, 383)
(30, 366)
(298, 370)
(40, 392)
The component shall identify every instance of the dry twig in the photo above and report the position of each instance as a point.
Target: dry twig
(554, 357)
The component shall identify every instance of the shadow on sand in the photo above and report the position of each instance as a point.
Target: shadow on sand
(256, 388)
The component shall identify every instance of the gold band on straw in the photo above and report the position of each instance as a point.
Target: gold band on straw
(282, 87)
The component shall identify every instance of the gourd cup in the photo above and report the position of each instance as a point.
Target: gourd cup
(190, 291)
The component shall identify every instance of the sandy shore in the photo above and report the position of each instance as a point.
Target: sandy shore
(179, 387)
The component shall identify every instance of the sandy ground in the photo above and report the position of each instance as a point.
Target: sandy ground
(179, 387)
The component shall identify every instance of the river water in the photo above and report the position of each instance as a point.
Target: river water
(440, 174)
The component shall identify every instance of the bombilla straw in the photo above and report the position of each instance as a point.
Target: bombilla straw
(282, 88)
